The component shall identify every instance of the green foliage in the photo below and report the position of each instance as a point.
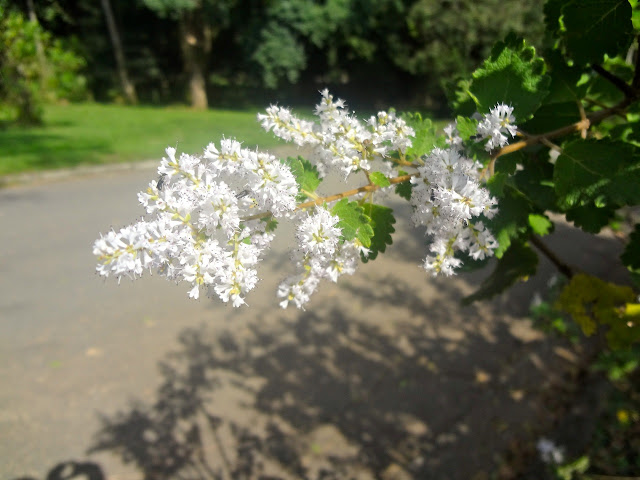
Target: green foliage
(631, 256)
(216, 11)
(382, 221)
(568, 470)
(618, 364)
(513, 75)
(379, 179)
(404, 189)
(597, 173)
(512, 220)
(565, 80)
(425, 138)
(306, 174)
(280, 55)
(35, 68)
(540, 224)
(355, 224)
(446, 40)
(589, 29)
(517, 263)
(592, 302)
(467, 127)
(271, 225)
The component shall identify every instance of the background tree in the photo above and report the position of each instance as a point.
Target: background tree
(199, 23)
(127, 87)
(34, 67)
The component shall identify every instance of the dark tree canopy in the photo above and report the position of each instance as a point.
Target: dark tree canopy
(230, 52)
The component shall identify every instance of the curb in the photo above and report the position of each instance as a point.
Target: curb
(49, 176)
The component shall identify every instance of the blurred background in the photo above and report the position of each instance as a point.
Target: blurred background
(226, 54)
(233, 53)
(385, 377)
(111, 81)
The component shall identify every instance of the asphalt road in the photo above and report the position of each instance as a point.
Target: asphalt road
(385, 376)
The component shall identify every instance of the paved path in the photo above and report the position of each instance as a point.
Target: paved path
(384, 376)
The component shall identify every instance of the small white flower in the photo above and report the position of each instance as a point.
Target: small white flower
(549, 452)
(496, 125)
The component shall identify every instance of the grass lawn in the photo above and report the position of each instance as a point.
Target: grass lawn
(95, 134)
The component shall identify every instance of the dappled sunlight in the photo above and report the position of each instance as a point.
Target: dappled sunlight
(335, 393)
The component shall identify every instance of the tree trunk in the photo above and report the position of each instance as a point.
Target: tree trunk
(127, 87)
(42, 59)
(195, 42)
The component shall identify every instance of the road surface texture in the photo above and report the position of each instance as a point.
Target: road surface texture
(383, 376)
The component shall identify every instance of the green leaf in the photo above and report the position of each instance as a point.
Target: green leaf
(588, 169)
(461, 99)
(467, 127)
(601, 89)
(497, 182)
(635, 14)
(511, 221)
(379, 179)
(626, 132)
(540, 224)
(564, 80)
(535, 180)
(552, 12)
(271, 223)
(513, 75)
(382, 220)
(593, 28)
(590, 218)
(631, 255)
(425, 139)
(518, 262)
(404, 189)
(353, 222)
(552, 116)
(507, 164)
(306, 175)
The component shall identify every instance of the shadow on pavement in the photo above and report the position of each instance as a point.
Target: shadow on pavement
(72, 470)
(333, 395)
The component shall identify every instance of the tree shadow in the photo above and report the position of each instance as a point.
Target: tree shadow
(387, 377)
(72, 470)
(336, 393)
(38, 151)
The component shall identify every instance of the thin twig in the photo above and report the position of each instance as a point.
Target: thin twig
(620, 84)
(337, 196)
(562, 267)
(583, 117)
(592, 119)
(551, 145)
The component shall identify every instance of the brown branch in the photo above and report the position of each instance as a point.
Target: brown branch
(592, 119)
(337, 196)
(355, 191)
(562, 267)
(617, 82)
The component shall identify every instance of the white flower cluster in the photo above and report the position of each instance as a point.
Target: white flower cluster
(496, 126)
(202, 231)
(322, 253)
(210, 216)
(340, 140)
(446, 198)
